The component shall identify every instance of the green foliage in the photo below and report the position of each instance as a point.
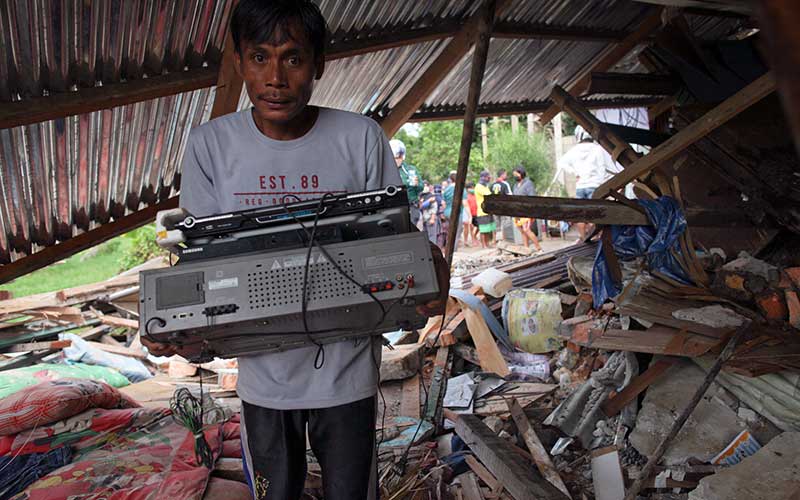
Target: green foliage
(508, 150)
(142, 247)
(435, 151)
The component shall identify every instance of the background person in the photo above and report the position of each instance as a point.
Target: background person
(524, 187)
(410, 177)
(486, 225)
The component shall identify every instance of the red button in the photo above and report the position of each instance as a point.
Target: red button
(373, 288)
(389, 286)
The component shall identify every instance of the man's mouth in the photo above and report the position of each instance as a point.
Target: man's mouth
(276, 102)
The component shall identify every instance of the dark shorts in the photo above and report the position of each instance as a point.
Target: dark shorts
(584, 193)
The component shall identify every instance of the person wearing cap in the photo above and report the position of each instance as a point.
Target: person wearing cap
(410, 177)
(486, 225)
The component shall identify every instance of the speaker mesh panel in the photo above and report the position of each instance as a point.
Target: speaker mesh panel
(284, 286)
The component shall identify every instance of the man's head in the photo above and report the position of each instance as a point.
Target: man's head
(520, 173)
(398, 151)
(280, 47)
(581, 135)
(452, 176)
(485, 177)
(502, 175)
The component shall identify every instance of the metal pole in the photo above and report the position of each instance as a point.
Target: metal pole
(476, 80)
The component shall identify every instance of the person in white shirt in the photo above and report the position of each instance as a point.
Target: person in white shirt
(591, 165)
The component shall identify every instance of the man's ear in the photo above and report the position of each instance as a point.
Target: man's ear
(237, 63)
(319, 66)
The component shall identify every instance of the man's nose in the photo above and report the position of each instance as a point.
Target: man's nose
(276, 75)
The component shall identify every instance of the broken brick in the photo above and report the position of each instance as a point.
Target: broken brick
(793, 304)
(772, 306)
(794, 275)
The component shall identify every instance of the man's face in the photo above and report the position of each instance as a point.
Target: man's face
(502, 177)
(399, 160)
(517, 177)
(279, 78)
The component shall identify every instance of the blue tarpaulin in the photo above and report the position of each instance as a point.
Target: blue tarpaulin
(655, 243)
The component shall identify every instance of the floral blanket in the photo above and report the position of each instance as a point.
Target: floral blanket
(117, 453)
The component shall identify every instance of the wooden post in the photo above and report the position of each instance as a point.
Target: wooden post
(479, 56)
(779, 20)
(229, 83)
(558, 138)
(514, 124)
(484, 140)
(531, 125)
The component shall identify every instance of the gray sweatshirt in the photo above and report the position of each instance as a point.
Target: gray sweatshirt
(230, 165)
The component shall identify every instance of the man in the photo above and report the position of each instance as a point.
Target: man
(588, 161)
(486, 225)
(523, 186)
(255, 157)
(501, 186)
(410, 177)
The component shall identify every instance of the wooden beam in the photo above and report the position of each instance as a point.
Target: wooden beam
(76, 244)
(390, 38)
(229, 83)
(780, 19)
(534, 444)
(641, 136)
(741, 7)
(632, 84)
(479, 56)
(503, 462)
(638, 385)
(523, 108)
(609, 58)
(678, 143)
(452, 54)
(602, 212)
(536, 31)
(87, 100)
(600, 132)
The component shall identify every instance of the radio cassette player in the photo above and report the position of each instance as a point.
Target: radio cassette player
(243, 292)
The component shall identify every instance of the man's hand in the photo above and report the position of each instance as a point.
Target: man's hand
(437, 307)
(158, 349)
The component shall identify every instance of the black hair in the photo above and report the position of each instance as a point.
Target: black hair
(470, 185)
(501, 172)
(267, 21)
(521, 171)
(452, 177)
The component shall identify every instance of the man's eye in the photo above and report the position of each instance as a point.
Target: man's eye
(294, 61)
(259, 58)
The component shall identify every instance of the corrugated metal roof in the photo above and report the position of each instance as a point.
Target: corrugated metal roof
(65, 176)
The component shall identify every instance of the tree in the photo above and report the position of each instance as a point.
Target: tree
(508, 150)
(435, 151)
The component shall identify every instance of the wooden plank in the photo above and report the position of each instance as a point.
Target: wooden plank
(638, 385)
(483, 473)
(488, 353)
(87, 100)
(40, 346)
(121, 350)
(632, 83)
(535, 31)
(503, 462)
(742, 7)
(409, 403)
(469, 487)
(66, 297)
(121, 322)
(601, 211)
(438, 386)
(655, 340)
(608, 59)
(534, 444)
(76, 244)
(678, 143)
(456, 49)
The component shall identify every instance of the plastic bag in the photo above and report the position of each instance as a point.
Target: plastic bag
(655, 243)
(81, 351)
(531, 318)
